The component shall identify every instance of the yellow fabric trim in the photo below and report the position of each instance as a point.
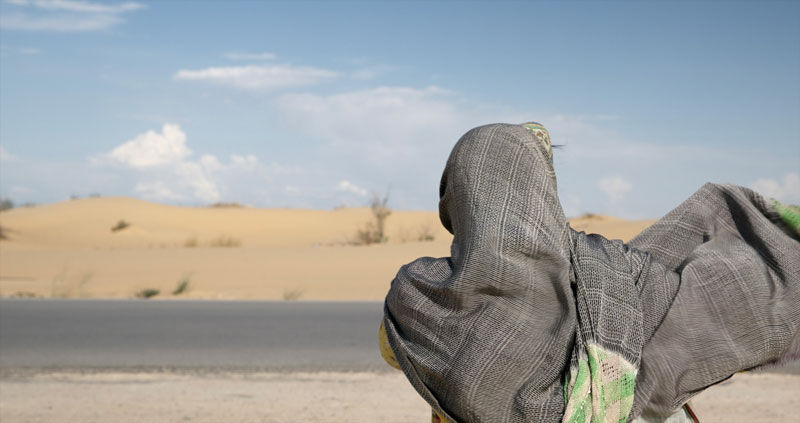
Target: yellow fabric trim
(386, 349)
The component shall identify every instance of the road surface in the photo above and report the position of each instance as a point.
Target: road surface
(229, 335)
(194, 335)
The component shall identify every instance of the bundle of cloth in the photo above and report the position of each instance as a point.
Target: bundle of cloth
(531, 321)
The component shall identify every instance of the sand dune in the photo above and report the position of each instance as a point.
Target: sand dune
(69, 250)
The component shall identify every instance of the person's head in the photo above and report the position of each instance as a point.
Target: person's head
(499, 169)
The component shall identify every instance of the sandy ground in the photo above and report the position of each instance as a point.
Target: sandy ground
(68, 250)
(308, 397)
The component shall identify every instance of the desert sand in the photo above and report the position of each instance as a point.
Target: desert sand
(308, 397)
(69, 250)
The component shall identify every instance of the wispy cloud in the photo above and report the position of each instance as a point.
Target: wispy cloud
(156, 190)
(64, 15)
(5, 155)
(615, 187)
(347, 186)
(78, 5)
(382, 125)
(371, 72)
(258, 78)
(786, 190)
(238, 55)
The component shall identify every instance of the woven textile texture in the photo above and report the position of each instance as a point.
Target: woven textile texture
(500, 330)
(738, 306)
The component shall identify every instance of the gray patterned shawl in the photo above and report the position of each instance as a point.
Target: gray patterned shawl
(529, 321)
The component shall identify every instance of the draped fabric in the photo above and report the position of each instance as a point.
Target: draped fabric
(530, 321)
(738, 306)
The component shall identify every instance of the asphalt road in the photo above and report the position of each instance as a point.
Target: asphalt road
(201, 335)
(194, 335)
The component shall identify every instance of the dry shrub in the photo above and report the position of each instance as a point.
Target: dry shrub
(425, 233)
(374, 232)
(63, 287)
(220, 241)
(24, 294)
(183, 285)
(224, 205)
(225, 241)
(120, 226)
(147, 293)
(293, 294)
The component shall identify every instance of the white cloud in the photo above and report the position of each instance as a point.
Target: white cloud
(64, 15)
(150, 149)
(370, 72)
(248, 162)
(787, 190)
(258, 78)
(29, 51)
(210, 163)
(380, 125)
(156, 190)
(193, 177)
(347, 186)
(5, 155)
(615, 187)
(235, 55)
(25, 22)
(165, 169)
(588, 137)
(364, 74)
(79, 6)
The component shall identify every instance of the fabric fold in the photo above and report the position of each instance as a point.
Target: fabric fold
(530, 321)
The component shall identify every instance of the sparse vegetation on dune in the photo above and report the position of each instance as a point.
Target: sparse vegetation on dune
(222, 205)
(61, 286)
(292, 294)
(220, 241)
(374, 232)
(6, 204)
(24, 294)
(225, 241)
(122, 224)
(425, 233)
(147, 293)
(183, 286)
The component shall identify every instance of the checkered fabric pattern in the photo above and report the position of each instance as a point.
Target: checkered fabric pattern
(600, 389)
(489, 333)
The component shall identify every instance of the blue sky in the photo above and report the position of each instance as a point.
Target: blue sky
(320, 104)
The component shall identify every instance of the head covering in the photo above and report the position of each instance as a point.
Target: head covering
(485, 335)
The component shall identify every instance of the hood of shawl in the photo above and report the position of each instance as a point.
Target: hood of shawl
(486, 334)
